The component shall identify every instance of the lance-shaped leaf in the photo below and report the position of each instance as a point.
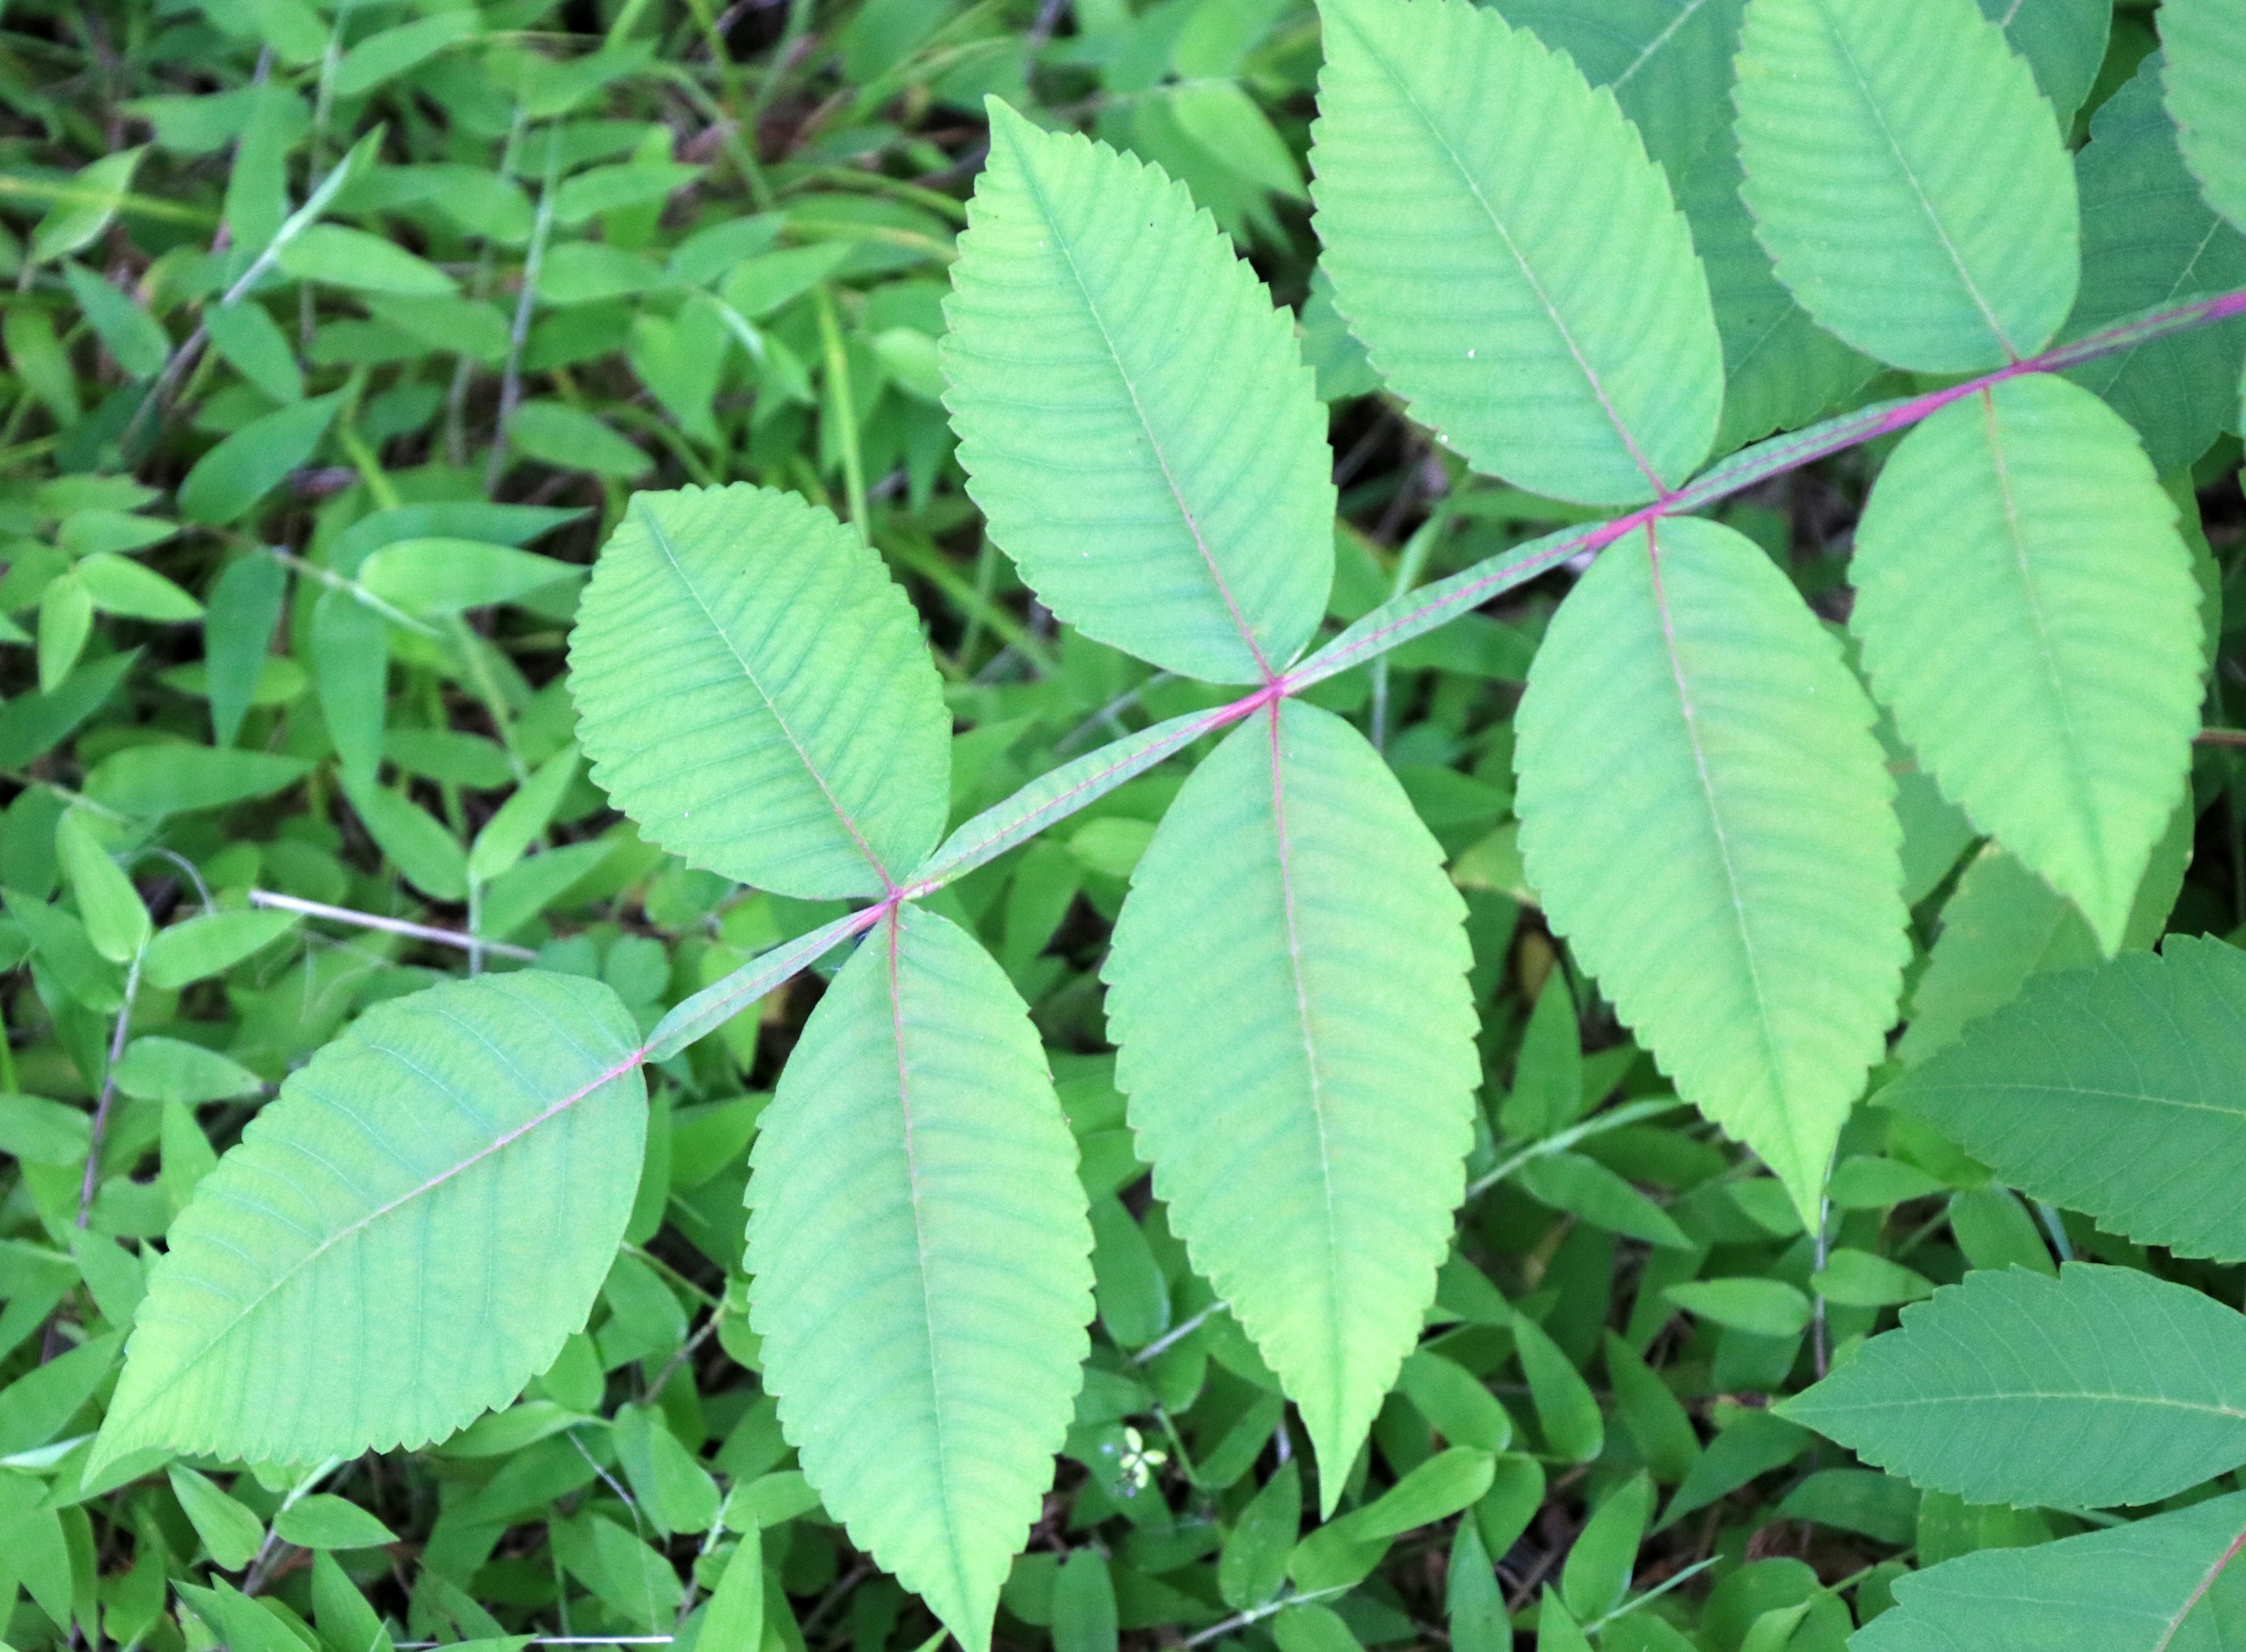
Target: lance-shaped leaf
(2118, 1091)
(922, 1261)
(2205, 41)
(1705, 813)
(1908, 178)
(1133, 414)
(2100, 1387)
(1509, 256)
(2167, 1584)
(2149, 239)
(753, 690)
(2027, 609)
(404, 1239)
(1668, 62)
(1287, 990)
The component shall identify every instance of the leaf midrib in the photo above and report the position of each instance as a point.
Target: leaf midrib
(1130, 388)
(748, 671)
(1338, 1370)
(629, 1063)
(896, 924)
(1910, 176)
(1528, 274)
(2078, 776)
(1716, 825)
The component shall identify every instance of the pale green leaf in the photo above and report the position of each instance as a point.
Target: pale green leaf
(519, 821)
(426, 852)
(1705, 813)
(115, 922)
(325, 1521)
(1133, 414)
(2027, 609)
(922, 1259)
(159, 1069)
(2118, 1091)
(1908, 178)
(1668, 62)
(389, 52)
(753, 689)
(230, 1531)
(176, 778)
(1512, 261)
(2103, 1386)
(2205, 41)
(2148, 241)
(401, 1241)
(570, 438)
(1287, 986)
(94, 196)
(119, 585)
(350, 667)
(184, 953)
(450, 576)
(2000, 925)
(360, 261)
(2167, 1584)
(252, 342)
(245, 606)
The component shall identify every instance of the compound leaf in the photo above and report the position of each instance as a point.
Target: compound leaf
(401, 1241)
(1512, 259)
(2118, 1091)
(2027, 609)
(2103, 1386)
(1287, 986)
(1908, 179)
(2205, 41)
(921, 1255)
(1705, 813)
(1133, 414)
(2165, 1584)
(752, 688)
(2148, 240)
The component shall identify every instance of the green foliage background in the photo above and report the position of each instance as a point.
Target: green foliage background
(591, 247)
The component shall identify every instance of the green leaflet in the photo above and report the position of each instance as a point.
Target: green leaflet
(225, 482)
(2118, 1091)
(2147, 239)
(1705, 811)
(2167, 1584)
(2000, 925)
(1287, 988)
(401, 1241)
(922, 1263)
(1667, 62)
(2103, 1386)
(1514, 263)
(1781, 369)
(1908, 179)
(2206, 45)
(2027, 609)
(2064, 42)
(753, 689)
(1133, 416)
